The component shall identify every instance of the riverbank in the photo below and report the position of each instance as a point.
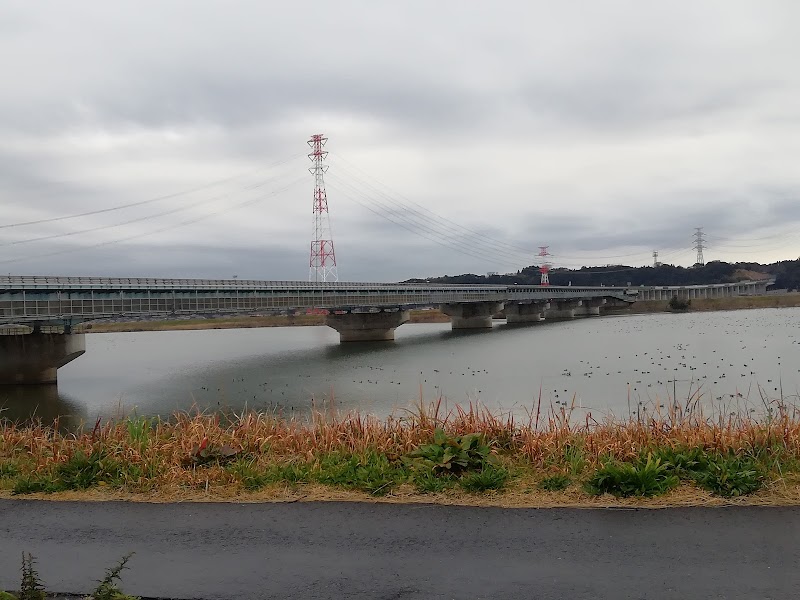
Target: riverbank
(464, 456)
(417, 316)
(729, 303)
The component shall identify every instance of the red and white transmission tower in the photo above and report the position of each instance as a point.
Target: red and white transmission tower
(322, 264)
(544, 269)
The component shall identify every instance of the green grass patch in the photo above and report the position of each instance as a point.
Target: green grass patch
(427, 480)
(555, 483)
(80, 472)
(490, 477)
(644, 477)
(254, 478)
(372, 472)
(724, 474)
(730, 476)
(9, 469)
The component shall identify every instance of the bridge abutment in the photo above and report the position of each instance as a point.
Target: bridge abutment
(561, 309)
(525, 312)
(35, 358)
(365, 326)
(472, 315)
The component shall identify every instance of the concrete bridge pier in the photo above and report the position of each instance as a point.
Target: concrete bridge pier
(590, 307)
(367, 326)
(472, 315)
(35, 358)
(561, 309)
(525, 313)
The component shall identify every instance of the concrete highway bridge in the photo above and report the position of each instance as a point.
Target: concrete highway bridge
(48, 308)
(37, 314)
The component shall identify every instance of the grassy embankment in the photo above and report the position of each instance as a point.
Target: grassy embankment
(463, 456)
(730, 303)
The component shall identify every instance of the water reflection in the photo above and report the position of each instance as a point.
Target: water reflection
(40, 403)
(619, 364)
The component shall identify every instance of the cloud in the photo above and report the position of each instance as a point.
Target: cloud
(601, 131)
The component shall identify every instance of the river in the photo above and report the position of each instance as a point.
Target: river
(607, 365)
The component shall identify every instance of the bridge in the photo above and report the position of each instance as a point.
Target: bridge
(49, 307)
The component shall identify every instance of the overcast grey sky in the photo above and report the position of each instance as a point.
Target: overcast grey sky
(462, 135)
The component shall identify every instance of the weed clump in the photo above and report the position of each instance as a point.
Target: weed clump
(9, 469)
(31, 587)
(730, 476)
(649, 477)
(428, 481)
(107, 588)
(555, 483)
(80, 472)
(724, 474)
(454, 454)
(490, 477)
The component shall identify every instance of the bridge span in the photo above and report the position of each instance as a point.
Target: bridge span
(49, 308)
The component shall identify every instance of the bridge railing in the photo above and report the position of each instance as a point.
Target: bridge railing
(81, 298)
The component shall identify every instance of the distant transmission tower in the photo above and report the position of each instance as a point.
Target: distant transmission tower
(699, 245)
(655, 259)
(322, 264)
(544, 269)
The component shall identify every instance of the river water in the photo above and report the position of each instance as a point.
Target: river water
(611, 364)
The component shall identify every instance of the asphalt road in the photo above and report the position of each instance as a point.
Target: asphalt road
(404, 552)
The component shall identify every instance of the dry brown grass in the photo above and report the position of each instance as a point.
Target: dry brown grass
(731, 303)
(155, 461)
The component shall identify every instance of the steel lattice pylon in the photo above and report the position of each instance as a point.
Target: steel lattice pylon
(322, 264)
(544, 269)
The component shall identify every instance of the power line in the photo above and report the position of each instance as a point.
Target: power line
(436, 240)
(418, 221)
(403, 201)
(137, 219)
(406, 202)
(149, 201)
(156, 231)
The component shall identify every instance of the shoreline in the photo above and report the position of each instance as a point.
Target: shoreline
(461, 457)
(418, 316)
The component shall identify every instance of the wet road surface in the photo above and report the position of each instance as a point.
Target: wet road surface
(385, 551)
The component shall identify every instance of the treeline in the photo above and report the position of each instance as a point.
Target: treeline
(786, 273)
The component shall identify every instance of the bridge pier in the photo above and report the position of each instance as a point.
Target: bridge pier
(525, 312)
(589, 307)
(366, 326)
(561, 309)
(472, 315)
(35, 358)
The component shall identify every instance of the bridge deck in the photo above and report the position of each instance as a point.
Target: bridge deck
(75, 299)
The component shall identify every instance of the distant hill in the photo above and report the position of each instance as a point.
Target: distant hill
(786, 273)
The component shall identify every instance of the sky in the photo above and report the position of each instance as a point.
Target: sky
(168, 139)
